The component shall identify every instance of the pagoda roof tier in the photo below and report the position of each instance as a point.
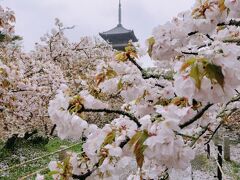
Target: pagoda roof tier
(119, 34)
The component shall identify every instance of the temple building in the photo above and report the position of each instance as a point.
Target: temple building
(119, 36)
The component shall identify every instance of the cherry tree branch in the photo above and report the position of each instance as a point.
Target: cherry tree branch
(230, 23)
(196, 32)
(232, 41)
(196, 117)
(111, 111)
(190, 53)
(159, 85)
(145, 74)
(205, 45)
(89, 173)
(84, 176)
(192, 33)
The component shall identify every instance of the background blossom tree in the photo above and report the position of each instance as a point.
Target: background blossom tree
(30, 80)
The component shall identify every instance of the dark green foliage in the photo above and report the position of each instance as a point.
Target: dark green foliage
(2, 37)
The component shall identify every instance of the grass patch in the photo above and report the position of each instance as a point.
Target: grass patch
(235, 170)
(25, 150)
(55, 144)
(201, 162)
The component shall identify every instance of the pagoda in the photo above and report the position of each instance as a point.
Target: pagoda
(119, 36)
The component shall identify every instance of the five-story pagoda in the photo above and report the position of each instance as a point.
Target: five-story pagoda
(119, 36)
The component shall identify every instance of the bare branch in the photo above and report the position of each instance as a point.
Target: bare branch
(185, 135)
(214, 132)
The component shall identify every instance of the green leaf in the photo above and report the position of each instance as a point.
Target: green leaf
(188, 63)
(53, 173)
(60, 165)
(66, 162)
(134, 139)
(109, 139)
(120, 85)
(214, 73)
(111, 73)
(151, 42)
(138, 148)
(196, 75)
(101, 160)
(5, 83)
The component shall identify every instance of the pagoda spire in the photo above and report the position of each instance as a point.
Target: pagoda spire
(120, 13)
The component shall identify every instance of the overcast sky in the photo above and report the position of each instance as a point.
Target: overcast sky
(36, 17)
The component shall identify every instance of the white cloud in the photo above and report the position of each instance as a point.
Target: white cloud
(36, 17)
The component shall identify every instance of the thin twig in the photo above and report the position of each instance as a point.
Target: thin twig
(185, 135)
(200, 135)
(235, 99)
(53, 129)
(214, 132)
